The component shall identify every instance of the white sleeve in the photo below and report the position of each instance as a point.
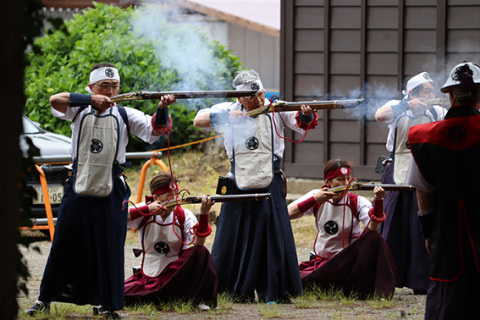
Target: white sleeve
(220, 107)
(363, 207)
(190, 221)
(415, 178)
(289, 118)
(70, 113)
(441, 112)
(140, 124)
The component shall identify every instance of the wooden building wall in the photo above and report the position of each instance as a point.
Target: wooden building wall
(257, 51)
(354, 48)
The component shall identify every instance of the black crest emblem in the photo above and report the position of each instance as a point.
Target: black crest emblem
(426, 76)
(109, 73)
(251, 143)
(331, 227)
(465, 69)
(457, 133)
(255, 86)
(96, 146)
(162, 247)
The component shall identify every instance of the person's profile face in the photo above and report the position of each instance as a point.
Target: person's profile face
(339, 181)
(253, 102)
(161, 197)
(427, 91)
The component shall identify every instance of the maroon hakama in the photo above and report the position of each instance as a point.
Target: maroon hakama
(191, 277)
(366, 267)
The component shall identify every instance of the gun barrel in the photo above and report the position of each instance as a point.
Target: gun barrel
(157, 95)
(363, 186)
(438, 101)
(224, 198)
(325, 104)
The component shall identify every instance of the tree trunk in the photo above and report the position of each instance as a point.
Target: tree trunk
(11, 90)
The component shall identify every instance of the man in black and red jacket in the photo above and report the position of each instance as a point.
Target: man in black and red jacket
(446, 175)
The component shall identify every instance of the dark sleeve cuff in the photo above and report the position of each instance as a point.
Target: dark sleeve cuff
(400, 108)
(218, 118)
(426, 221)
(161, 117)
(305, 119)
(80, 99)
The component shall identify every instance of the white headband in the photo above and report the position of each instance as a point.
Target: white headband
(415, 82)
(249, 86)
(106, 73)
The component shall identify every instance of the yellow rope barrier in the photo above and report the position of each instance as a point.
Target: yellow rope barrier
(153, 159)
(158, 150)
(191, 143)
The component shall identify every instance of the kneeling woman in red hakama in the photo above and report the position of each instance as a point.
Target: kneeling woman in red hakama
(347, 256)
(170, 269)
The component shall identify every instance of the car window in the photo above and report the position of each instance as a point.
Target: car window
(29, 127)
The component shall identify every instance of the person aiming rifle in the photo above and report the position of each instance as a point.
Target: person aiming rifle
(347, 257)
(402, 230)
(254, 249)
(86, 261)
(170, 266)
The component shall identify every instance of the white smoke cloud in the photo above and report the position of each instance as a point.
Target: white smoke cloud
(179, 46)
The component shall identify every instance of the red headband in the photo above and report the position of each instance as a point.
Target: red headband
(332, 174)
(162, 190)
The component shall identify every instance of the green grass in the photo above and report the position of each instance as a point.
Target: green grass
(269, 311)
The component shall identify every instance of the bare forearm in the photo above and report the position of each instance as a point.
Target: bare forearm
(202, 120)
(199, 241)
(60, 101)
(384, 114)
(294, 212)
(425, 201)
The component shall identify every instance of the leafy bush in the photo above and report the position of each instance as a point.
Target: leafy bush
(151, 52)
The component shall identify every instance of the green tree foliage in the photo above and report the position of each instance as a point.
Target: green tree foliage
(151, 52)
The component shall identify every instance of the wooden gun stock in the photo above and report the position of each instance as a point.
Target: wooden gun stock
(282, 106)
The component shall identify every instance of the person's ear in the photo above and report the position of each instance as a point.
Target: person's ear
(240, 99)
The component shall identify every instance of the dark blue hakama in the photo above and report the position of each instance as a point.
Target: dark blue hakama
(254, 249)
(86, 261)
(403, 234)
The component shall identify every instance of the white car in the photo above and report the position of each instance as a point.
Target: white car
(49, 144)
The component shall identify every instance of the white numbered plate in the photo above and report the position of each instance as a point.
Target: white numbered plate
(55, 193)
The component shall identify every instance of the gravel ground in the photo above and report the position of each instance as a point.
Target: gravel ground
(404, 305)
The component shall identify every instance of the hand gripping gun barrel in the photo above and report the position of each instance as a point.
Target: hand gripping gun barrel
(217, 198)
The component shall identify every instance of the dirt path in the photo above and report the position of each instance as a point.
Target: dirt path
(405, 305)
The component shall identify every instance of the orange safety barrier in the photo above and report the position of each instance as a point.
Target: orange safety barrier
(153, 160)
(48, 206)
